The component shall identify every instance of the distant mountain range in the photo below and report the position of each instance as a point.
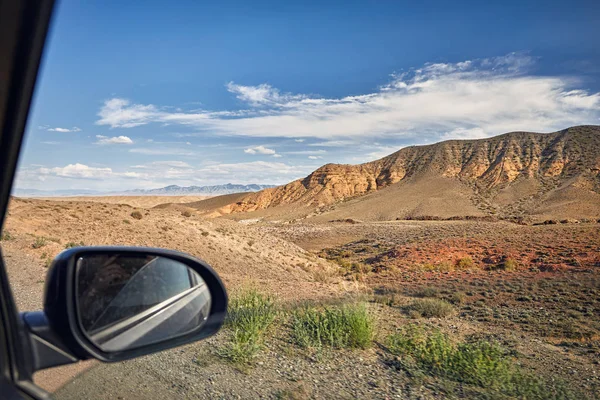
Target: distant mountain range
(215, 190)
(171, 190)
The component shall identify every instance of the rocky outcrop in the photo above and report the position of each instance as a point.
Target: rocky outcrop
(487, 165)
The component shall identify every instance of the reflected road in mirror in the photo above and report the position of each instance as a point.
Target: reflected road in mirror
(128, 301)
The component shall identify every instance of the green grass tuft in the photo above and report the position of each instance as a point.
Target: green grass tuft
(350, 326)
(482, 364)
(39, 242)
(6, 236)
(250, 315)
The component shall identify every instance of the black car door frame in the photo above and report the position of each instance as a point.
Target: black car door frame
(23, 28)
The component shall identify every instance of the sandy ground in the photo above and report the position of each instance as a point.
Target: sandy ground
(545, 310)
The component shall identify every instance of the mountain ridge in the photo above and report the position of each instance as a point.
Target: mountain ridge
(504, 175)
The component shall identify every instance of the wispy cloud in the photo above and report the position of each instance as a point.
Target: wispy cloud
(103, 140)
(73, 129)
(334, 143)
(161, 173)
(259, 150)
(162, 151)
(311, 152)
(155, 164)
(482, 97)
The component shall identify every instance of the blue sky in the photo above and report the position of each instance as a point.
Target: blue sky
(198, 93)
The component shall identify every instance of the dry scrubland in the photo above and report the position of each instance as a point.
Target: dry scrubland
(398, 309)
(134, 201)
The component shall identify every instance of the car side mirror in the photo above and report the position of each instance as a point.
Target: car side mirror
(117, 303)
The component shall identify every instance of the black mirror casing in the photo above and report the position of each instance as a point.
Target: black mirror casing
(61, 313)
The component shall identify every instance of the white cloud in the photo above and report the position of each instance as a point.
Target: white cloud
(78, 171)
(51, 143)
(334, 143)
(277, 155)
(262, 95)
(259, 150)
(311, 152)
(483, 97)
(157, 174)
(73, 129)
(256, 171)
(113, 140)
(299, 140)
(315, 157)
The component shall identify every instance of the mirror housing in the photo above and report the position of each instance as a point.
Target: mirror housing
(61, 312)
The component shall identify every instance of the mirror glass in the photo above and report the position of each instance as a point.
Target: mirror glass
(129, 301)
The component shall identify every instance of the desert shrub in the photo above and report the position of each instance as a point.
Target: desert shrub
(74, 244)
(321, 275)
(430, 307)
(465, 263)
(126, 221)
(205, 233)
(249, 316)
(136, 215)
(349, 326)
(6, 236)
(39, 242)
(427, 292)
(443, 266)
(187, 213)
(481, 363)
(457, 298)
(508, 264)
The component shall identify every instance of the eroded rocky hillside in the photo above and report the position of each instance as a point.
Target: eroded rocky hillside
(514, 173)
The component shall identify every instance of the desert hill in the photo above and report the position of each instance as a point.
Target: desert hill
(240, 254)
(514, 175)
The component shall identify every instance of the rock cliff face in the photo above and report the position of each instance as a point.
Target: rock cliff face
(486, 165)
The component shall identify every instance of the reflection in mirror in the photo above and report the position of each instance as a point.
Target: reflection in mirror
(129, 301)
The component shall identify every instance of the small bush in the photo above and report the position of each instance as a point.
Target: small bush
(39, 242)
(429, 308)
(70, 245)
(6, 236)
(204, 233)
(481, 363)
(457, 298)
(348, 326)
(465, 263)
(249, 316)
(136, 215)
(444, 266)
(509, 264)
(427, 292)
(126, 221)
(187, 213)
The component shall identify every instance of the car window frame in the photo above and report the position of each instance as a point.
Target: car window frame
(23, 30)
